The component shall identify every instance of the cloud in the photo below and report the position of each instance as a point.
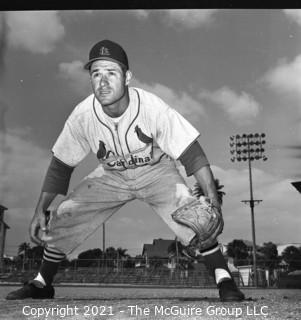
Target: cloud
(285, 77)
(3, 40)
(294, 14)
(76, 75)
(22, 172)
(241, 108)
(141, 14)
(188, 19)
(25, 170)
(5, 150)
(34, 31)
(185, 104)
(285, 80)
(70, 16)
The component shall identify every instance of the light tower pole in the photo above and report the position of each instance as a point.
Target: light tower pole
(104, 237)
(249, 147)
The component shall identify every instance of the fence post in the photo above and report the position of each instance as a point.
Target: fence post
(98, 267)
(75, 268)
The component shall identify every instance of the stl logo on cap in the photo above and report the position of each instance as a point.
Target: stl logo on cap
(104, 51)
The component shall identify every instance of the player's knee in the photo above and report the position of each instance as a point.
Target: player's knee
(65, 209)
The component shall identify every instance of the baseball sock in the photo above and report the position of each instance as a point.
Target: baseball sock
(50, 264)
(216, 263)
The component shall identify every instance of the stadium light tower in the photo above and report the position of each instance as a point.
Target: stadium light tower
(249, 147)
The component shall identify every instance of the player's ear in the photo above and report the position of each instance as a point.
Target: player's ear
(128, 77)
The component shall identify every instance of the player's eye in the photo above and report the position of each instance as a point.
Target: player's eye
(96, 75)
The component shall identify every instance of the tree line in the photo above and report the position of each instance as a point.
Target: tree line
(89, 258)
(266, 255)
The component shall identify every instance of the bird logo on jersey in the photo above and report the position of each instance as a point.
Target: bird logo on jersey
(102, 153)
(132, 159)
(143, 137)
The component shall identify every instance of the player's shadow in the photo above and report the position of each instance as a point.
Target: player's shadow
(179, 299)
(139, 298)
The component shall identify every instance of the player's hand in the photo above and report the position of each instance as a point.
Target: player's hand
(38, 223)
(215, 202)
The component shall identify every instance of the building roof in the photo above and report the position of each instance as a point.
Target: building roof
(6, 226)
(158, 249)
(2, 208)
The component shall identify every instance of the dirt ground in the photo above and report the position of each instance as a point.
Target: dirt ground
(91, 303)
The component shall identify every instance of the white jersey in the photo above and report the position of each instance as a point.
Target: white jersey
(147, 130)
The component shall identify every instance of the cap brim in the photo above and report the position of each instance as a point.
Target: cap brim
(88, 64)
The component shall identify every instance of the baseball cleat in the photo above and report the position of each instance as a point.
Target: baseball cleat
(30, 290)
(228, 291)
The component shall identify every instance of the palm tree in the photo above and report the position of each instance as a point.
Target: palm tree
(292, 256)
(121, 253)
(198, 191)
(24, 247)
(238, 250)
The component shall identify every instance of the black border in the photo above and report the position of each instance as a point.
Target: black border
(13, 5)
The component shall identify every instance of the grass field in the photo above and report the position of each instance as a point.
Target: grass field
(91, 303)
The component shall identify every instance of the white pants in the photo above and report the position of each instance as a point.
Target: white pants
(103, 192)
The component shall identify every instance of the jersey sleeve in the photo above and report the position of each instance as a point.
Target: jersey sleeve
(174, 133)
(71, 147)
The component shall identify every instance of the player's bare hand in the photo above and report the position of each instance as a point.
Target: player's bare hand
(215, 202)
(38, 223)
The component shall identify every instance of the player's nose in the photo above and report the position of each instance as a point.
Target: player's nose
(103, 80)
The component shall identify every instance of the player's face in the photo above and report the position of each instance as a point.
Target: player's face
(108, 81)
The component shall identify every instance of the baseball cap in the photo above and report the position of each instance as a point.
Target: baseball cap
(107, 50)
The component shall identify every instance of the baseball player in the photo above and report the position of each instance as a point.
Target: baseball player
(136, 137)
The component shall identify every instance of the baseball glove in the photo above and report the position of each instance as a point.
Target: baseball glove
(204, 219)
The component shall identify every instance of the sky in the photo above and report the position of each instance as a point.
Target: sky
(227, 71)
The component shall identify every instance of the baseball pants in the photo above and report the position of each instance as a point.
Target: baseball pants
(103, 192)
